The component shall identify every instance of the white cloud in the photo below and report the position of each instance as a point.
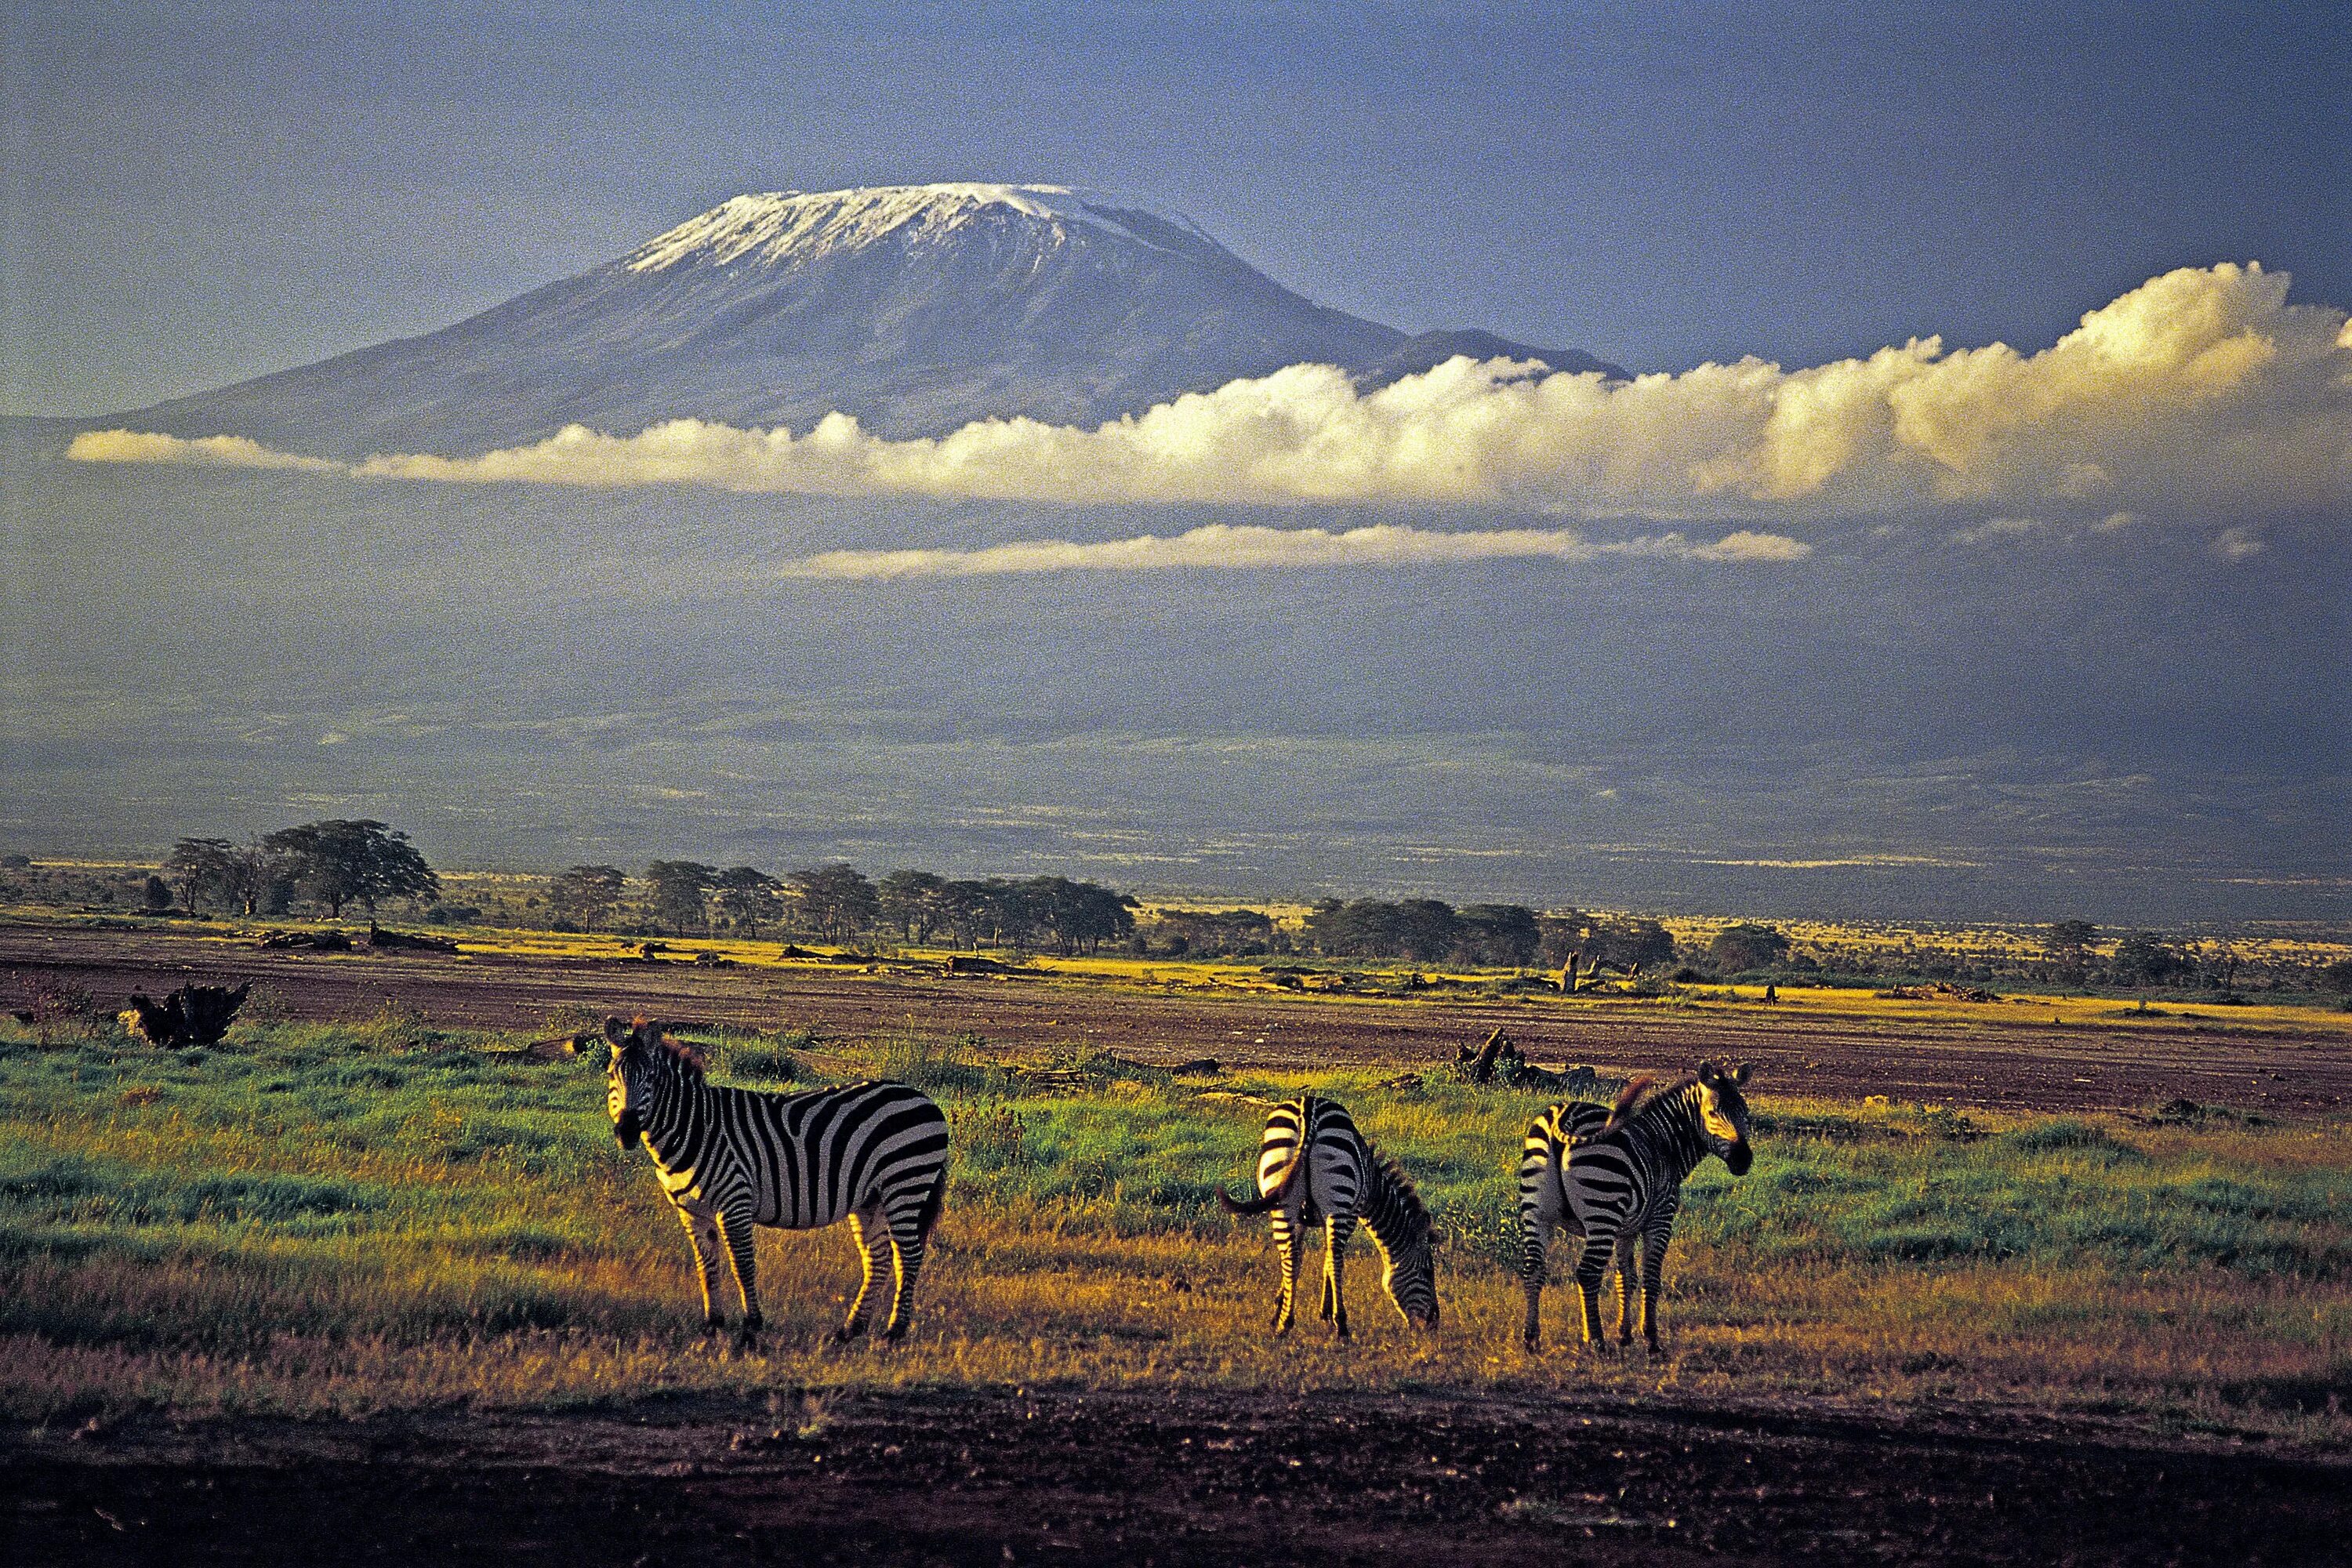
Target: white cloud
(1993, 529)
(2201, 392)
(2237, 543)
(1229, 547)
(209, 451)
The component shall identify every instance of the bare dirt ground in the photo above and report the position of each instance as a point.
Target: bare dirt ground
(1158, 1477)
(2011, 1059)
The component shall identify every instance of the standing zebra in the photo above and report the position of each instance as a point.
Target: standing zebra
(1315, 1168)
(1622, 1184)
(1543, 1196)
(875, 1153)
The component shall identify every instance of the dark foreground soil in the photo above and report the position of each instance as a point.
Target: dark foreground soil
(2005, 1057)
(1156, 1476)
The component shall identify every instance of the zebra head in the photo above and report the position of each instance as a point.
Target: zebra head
(1409, 1242)
(644, 1068)
(1723, 1114)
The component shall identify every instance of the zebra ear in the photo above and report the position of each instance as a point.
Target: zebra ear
(1708, 1074)
(616, 1030)
(1739, 1074)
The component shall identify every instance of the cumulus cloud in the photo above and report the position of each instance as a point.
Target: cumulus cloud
(1228, 547)
(209, 451)
(2237, 543)
(1993, 529)
(2200, 393)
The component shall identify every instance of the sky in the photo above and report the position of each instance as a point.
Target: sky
(193, 196)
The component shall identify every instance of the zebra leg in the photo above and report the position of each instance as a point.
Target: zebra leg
(907, 1244)
(1654, 1269)
(873, 1239)
(735, 1230)
(1626, 1245)
(1537, 1218)
(1337, 1231)
(1287, 1238)
(702, 1236)
(1591, 1268)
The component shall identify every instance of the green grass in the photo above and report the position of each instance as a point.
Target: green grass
(349, 1216)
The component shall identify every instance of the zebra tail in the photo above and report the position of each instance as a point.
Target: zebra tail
(1271, 1200)
(933, 1202)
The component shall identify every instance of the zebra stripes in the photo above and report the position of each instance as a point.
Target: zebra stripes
(1543, 1196)
(873, 1153)
(1620, 1186)
(1315, 1168)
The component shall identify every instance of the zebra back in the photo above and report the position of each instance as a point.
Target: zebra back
(800, 1159)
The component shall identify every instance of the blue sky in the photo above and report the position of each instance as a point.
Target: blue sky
(192, 195)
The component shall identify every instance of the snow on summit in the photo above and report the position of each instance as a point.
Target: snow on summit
(787, 226)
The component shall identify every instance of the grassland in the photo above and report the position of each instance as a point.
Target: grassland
(324, 1218)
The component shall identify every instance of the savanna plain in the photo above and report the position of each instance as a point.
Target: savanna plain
(2057, 1280)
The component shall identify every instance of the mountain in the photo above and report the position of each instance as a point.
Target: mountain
(916, 308)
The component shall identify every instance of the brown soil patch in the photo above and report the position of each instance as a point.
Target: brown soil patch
(2004, 1061)
(1158, 1478)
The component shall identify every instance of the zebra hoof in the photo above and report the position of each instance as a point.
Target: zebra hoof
(714, 1325)
(895, 1333)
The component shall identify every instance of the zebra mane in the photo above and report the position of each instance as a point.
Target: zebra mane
(1408, 1197)
(1641, 1091)
(685, 1055)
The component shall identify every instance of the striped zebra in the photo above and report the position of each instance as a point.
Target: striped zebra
(1315, 1168)
(1543, 1196)
(875, 1154)
(1620, 1184)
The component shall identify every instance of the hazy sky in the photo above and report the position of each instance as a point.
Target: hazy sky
(194, 194)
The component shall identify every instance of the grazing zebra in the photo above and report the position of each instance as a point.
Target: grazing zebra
(1315, 1168)
(875, 1154)
(1623, 1182)
(1543, 1196)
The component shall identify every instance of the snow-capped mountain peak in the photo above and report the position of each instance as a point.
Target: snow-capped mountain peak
(785, 228)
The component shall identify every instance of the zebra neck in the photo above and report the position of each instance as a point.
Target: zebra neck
(1677, 1137)
(672, 1124)
(1385, 1210)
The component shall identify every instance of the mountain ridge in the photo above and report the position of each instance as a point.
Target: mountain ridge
(917, 309)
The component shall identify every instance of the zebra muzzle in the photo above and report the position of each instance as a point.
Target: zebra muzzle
(625, 1129)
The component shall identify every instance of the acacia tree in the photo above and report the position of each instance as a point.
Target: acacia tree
(197, 866)
(914, 902)
(836, 899)
(681, 892)
(360, 861)
(1745, 946)
(254, 874)
(587, 895)
(1498, 933)
(1079, 915)
(751, 898)
(2143, 959)
(2069, 946)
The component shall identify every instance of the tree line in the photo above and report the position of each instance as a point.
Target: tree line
(340, 864)
(840, 903)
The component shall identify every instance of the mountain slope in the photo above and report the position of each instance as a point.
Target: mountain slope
(917, 309)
